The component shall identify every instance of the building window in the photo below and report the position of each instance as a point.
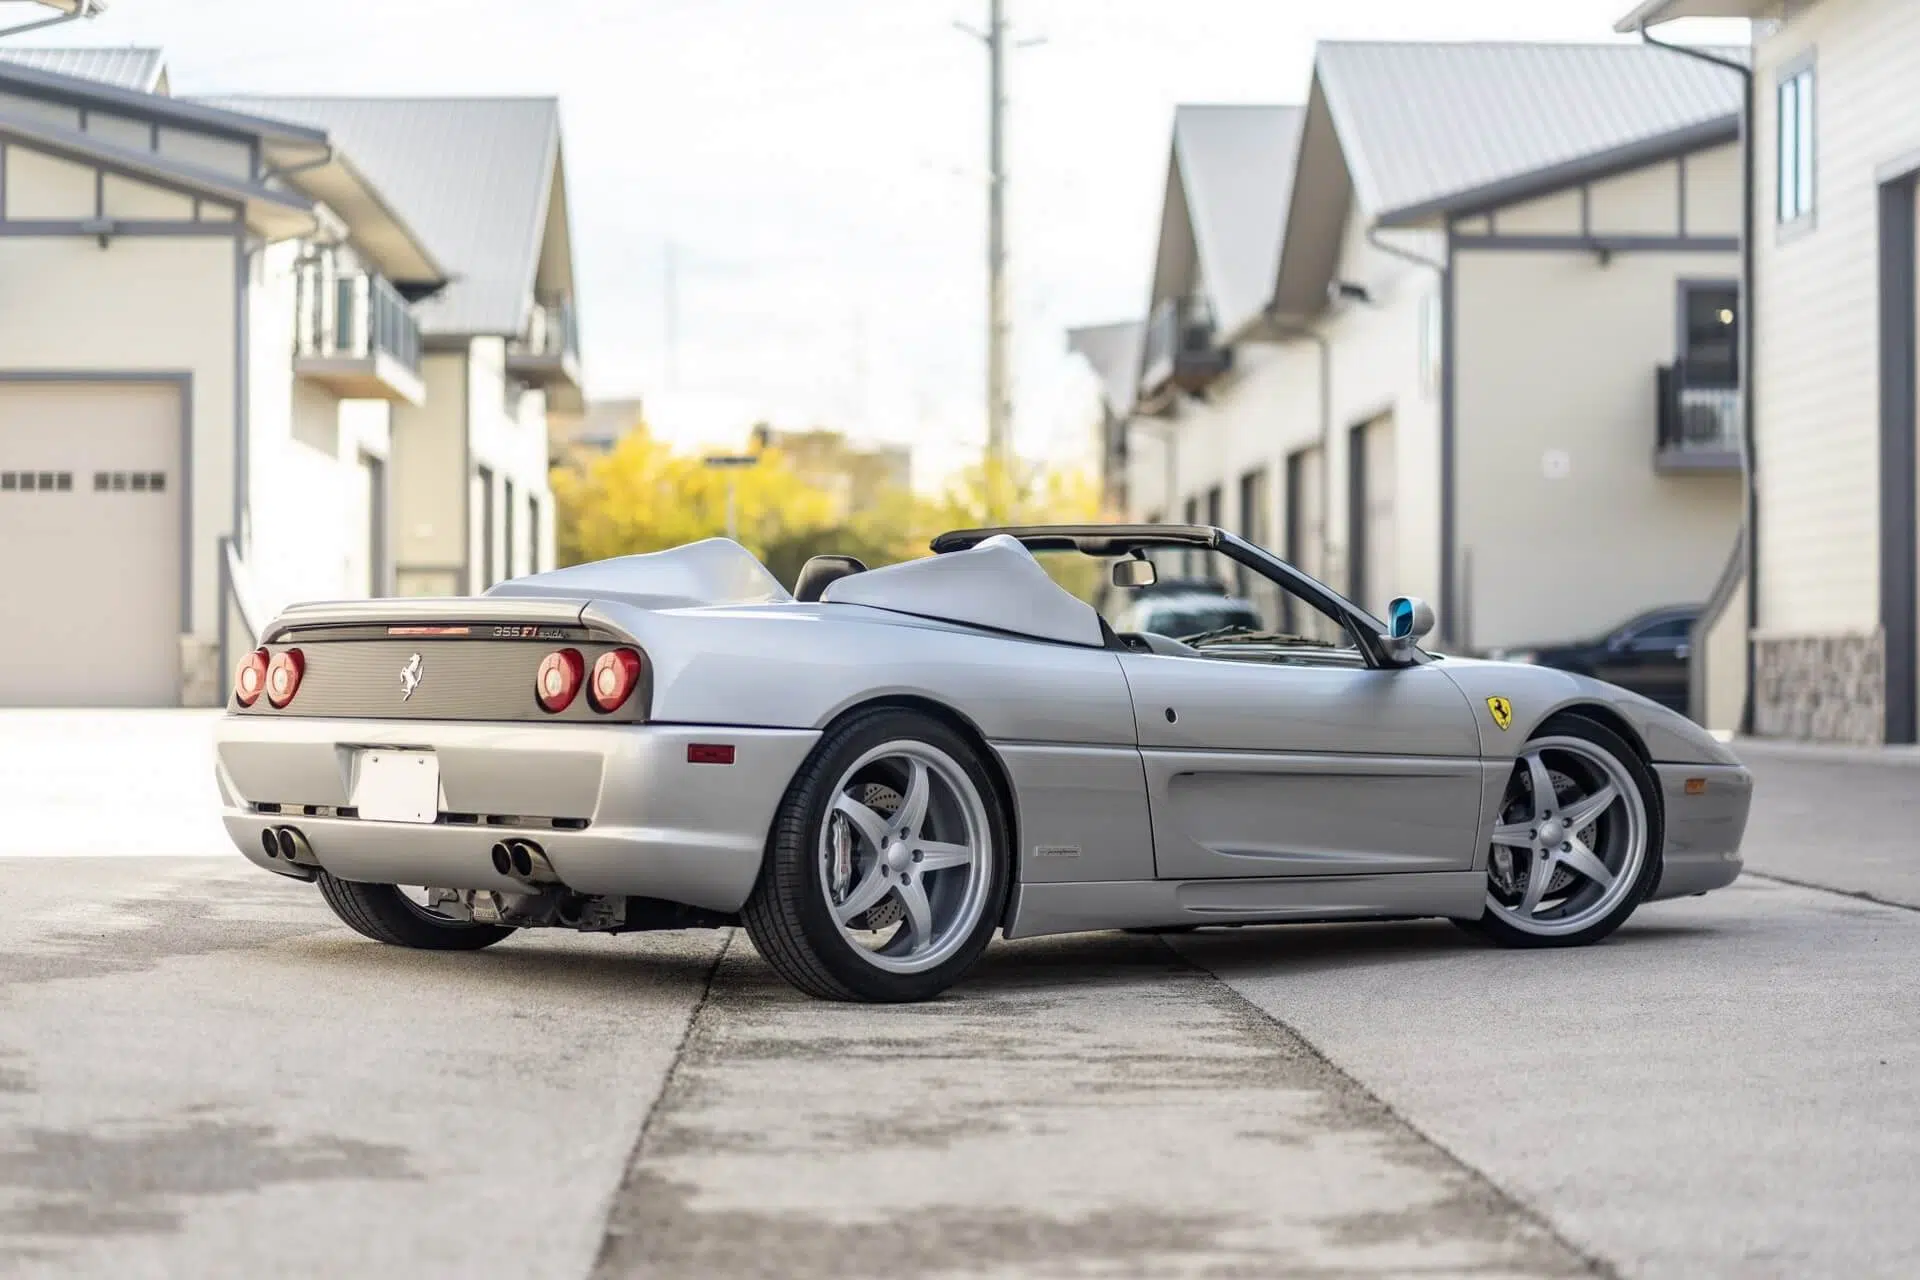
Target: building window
(508, 558)
(1193, 511)
(1795, 151)
(1430, 317)
(1215, 502)
(1254, 508)
(1710, 353)
(489, 557)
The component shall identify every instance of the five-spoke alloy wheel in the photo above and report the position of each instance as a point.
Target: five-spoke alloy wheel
(886, 871)
(1576, 845)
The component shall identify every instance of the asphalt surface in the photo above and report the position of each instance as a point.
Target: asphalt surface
(202, 1074)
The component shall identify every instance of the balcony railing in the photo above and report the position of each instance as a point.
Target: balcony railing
(355, 332)
(1700, 427)
(547, 354)
(1179, 348)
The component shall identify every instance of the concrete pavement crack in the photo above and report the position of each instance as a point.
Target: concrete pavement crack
(1861, 894)
(1599, 1266)
(603, 1259)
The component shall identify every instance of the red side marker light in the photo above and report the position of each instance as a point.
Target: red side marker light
(709, 753)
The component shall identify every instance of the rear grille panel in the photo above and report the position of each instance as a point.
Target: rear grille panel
(443, 818)
(353, 673)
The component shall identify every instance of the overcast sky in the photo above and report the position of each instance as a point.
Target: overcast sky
(814, 168)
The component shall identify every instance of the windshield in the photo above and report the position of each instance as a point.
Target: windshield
(1205, 598)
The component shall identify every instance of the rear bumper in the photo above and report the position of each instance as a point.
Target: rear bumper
(1704, 830)
(655, 825)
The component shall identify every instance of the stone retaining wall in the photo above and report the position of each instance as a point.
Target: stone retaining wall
(1821, 688)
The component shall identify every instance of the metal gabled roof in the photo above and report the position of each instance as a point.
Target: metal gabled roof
(474, 176)
(274, 213)
(17, 77)
(1113, 351)
(1652, 12)
(1424, 124)
(1237, 164)
(142, 70)
(1229, 174)
(1405, 134)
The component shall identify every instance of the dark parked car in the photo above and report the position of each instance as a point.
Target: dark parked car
(1647, 654)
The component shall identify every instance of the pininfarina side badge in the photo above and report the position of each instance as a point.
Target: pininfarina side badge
(410, 676)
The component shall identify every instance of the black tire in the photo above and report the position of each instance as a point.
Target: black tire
(383, 913)
(787, 916)
(1497, 930)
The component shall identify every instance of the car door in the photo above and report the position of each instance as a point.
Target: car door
(1269, 769)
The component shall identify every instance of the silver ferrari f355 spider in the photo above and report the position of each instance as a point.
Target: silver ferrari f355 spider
(876, 772)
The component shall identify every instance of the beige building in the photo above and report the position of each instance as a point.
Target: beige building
(1460, 327)
(1112, 354)
(1823, 645)
(484, 180)
(597, 428)
(215, 391)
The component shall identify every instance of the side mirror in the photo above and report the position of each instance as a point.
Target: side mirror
(1134, 572)
(1409, 619)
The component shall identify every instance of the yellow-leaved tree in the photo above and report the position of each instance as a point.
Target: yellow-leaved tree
(643, 495)
(646, 496)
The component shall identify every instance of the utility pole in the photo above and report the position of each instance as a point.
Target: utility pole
(999, 399)
(999, 328)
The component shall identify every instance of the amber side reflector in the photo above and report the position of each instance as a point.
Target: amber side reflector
(1696, 786)
(709, 753)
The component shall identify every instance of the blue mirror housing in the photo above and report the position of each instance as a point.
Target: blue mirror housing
(1409, 618)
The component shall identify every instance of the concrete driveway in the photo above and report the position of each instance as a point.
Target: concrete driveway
(202, 1074)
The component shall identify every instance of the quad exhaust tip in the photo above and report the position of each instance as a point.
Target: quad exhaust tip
(522, 860)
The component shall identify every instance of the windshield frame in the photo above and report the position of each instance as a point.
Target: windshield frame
(1106, 541)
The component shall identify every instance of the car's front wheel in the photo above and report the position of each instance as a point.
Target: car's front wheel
(886, 870)
(1577, 843)
(387, 913)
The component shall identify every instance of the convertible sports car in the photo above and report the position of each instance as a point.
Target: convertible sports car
(876, 772)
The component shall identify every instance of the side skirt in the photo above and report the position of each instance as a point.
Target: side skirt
(1135, 904)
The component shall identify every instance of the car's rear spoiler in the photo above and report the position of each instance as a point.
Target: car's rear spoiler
(523, 610)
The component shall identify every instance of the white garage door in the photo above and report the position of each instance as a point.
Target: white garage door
(91, 539)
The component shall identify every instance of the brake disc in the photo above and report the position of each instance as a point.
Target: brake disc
(883, 800)
(1510, 872)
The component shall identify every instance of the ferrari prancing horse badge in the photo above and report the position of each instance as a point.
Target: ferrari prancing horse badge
(1502, 712)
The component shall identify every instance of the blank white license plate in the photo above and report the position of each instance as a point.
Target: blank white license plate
(397, 786)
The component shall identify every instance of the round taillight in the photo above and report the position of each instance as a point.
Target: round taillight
(615, 673)
(251, 678)
(558, 679)
(283, 676)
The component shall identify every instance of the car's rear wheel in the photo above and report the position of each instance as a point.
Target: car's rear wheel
(1577, 843)
(886, 870)
(387, 913)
